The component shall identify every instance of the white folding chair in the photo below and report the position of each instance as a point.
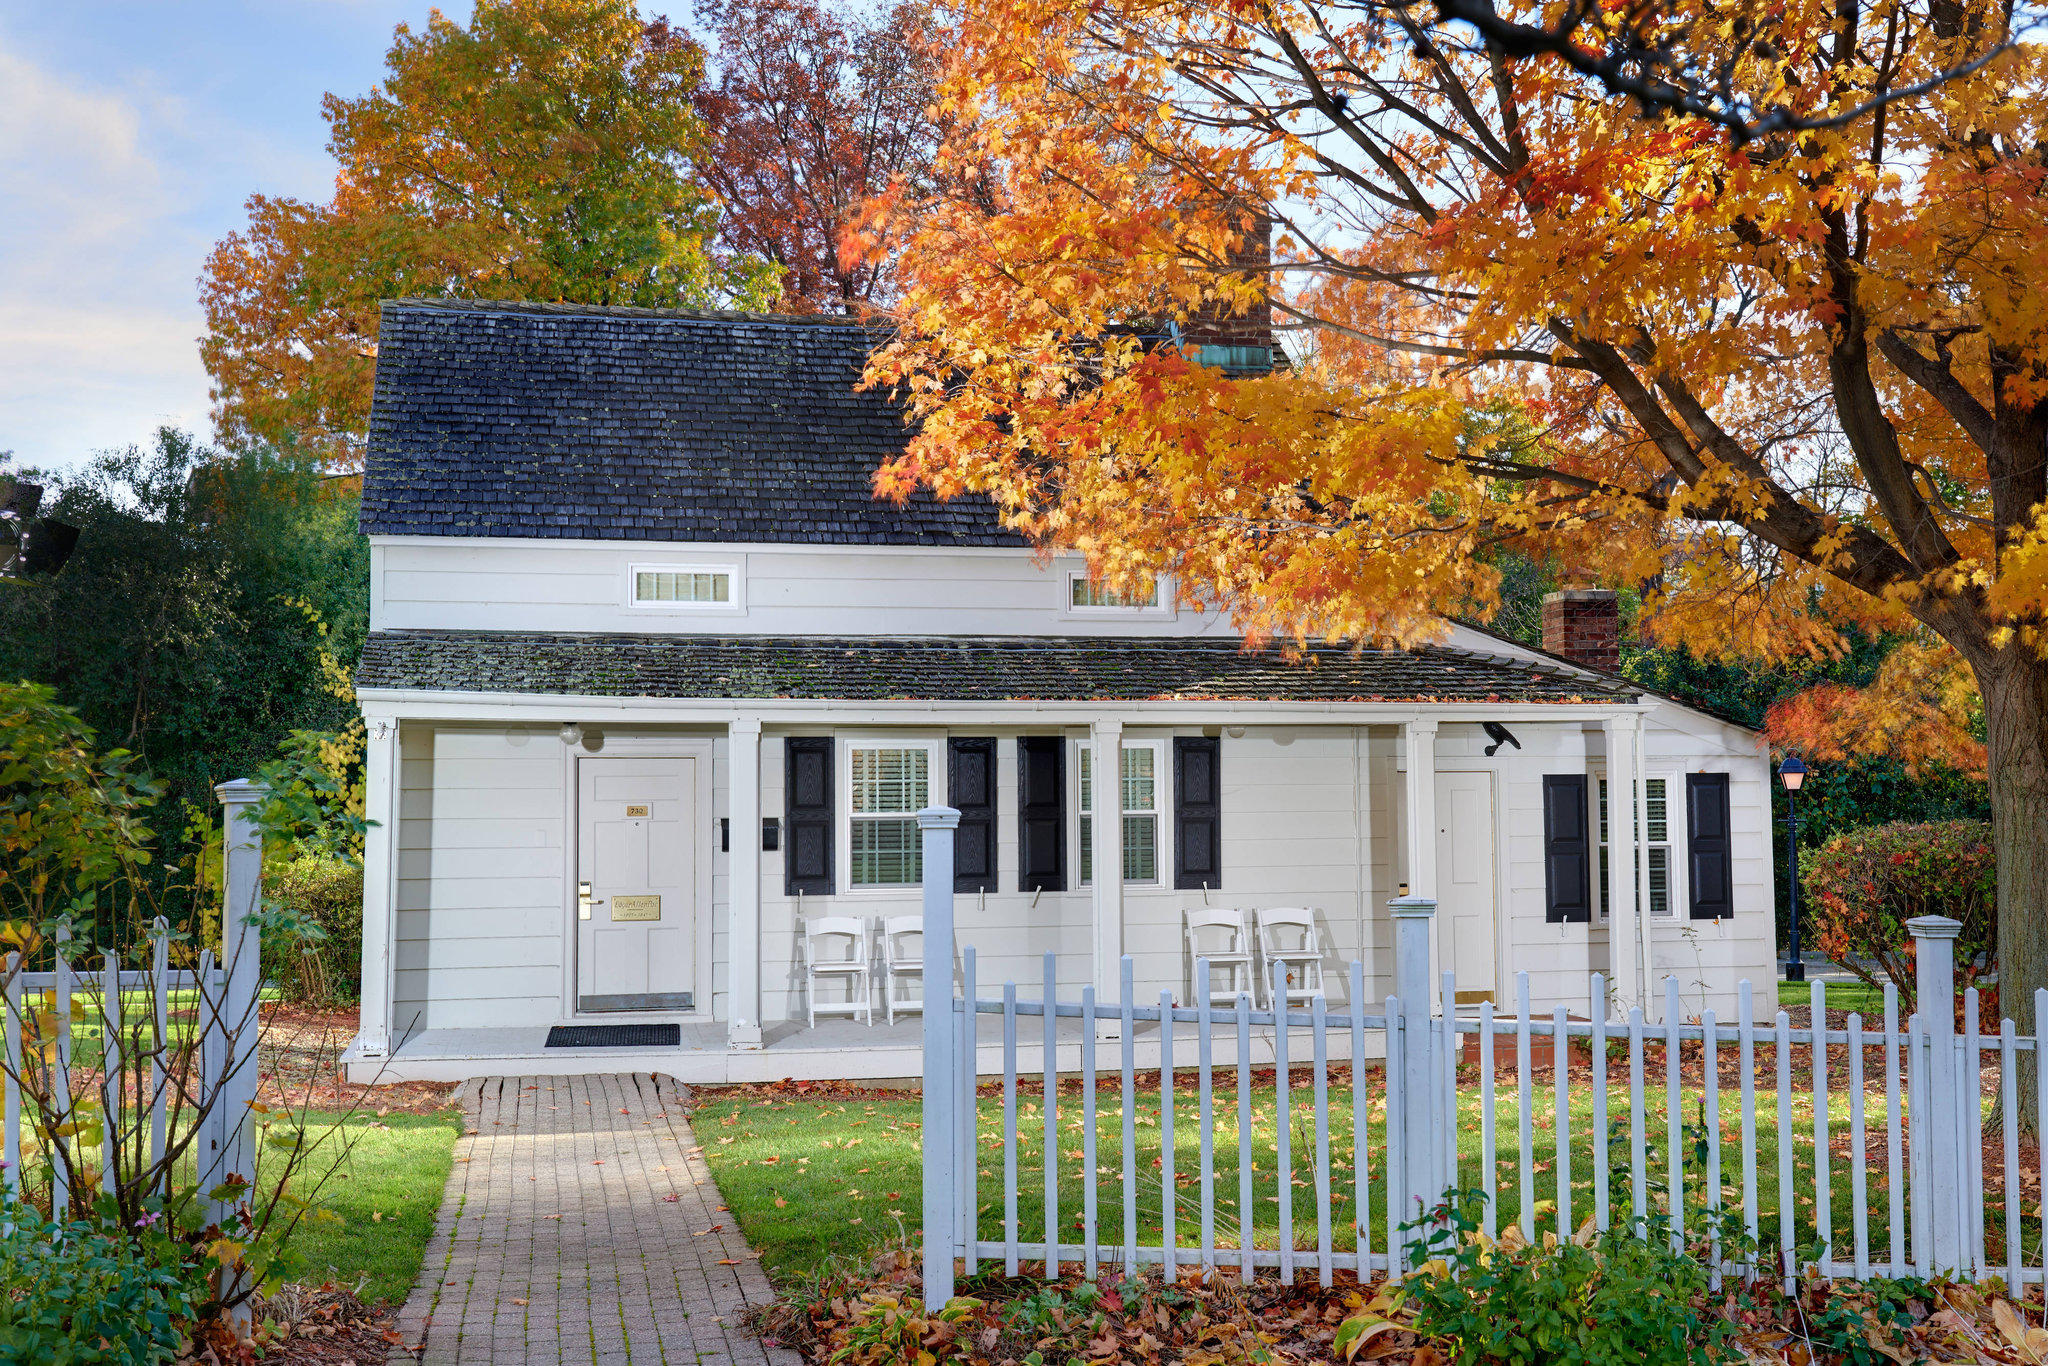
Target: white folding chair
(1221, 936)
(836, 950)
(1288, 936)
(902, 956)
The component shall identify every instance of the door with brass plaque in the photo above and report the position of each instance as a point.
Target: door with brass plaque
(636, 931)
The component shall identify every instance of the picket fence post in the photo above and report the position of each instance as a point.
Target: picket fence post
(1934, 976)
(937, 825)
(229, 1149)
(1418, 1143)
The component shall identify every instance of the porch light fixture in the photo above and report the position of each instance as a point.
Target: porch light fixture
(1792, 773)
(572, 733)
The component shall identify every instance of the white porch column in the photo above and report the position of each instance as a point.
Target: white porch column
(1106, 742)
(1422, 809)
(743, 954)
(1624, 928)
(380, 884)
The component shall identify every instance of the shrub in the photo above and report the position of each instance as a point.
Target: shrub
(78, 1292)
(321, 964)
(1601, 1300)
(1862, 887)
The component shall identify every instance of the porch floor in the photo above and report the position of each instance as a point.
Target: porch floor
(832, 1050)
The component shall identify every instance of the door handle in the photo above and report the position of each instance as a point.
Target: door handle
(583, 901)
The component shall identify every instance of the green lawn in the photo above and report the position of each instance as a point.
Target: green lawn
(1849, 996)
(383, 1184)
(809, 1179)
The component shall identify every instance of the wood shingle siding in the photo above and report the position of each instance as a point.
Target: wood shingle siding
(570, 421)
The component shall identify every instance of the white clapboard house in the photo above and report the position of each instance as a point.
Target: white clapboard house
(654, 684)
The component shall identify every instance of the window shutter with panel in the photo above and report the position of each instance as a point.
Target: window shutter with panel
(1567, 850)
(1710, 854)
(1197, 812)
(1041, 813)
(807, 811)
(971, 788)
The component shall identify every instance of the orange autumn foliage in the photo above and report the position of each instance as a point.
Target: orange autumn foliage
(541, 152)
(1782, 385)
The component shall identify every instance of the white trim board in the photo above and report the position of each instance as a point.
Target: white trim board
(451, 705)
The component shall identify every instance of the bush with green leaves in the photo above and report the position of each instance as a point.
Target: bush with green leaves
(1862, 887)
(77, 1292)
(322, 963)
(1611, 1299)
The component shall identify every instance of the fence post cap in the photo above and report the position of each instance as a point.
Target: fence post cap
(240, 792)
(1934, 927)
(1417, 906)
(938, 818)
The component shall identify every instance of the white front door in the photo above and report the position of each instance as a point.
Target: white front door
(636, 882)
(1464, 875)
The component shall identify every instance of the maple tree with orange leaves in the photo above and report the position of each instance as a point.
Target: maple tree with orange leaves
(542, 152)
(1775, 358)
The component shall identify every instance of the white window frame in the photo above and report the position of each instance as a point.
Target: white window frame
(843, 815)
(731, 571)
(1162, 852)
(1162, 609)
(1672, 843)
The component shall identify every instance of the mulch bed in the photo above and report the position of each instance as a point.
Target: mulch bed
(1218, 1319)
(323, 1325)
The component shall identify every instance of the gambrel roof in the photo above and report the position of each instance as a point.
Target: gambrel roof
(954, 668)
(579, 422)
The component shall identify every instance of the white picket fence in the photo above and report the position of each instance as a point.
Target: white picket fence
(1408, 1107)
(137, 1018)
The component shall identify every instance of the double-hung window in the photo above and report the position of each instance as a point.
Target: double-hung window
(1655, 845)
(888, 784)
(1143, 768)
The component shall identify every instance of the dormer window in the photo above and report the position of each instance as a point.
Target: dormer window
(684, 586)
(1088, 595)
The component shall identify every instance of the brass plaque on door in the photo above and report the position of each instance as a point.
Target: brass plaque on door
(636, 907)
(636, 813)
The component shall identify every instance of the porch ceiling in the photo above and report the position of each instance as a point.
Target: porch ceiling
(970, 669)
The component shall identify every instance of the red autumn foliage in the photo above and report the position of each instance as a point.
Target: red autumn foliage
(1862, 887)
(815, 112)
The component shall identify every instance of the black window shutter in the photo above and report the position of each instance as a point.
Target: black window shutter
(1567, 849)
(807, 810)
(1710, 854)
(1042, 813)
(971, 788)
(1197, 811)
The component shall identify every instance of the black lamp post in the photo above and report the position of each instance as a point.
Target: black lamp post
(1792, 773)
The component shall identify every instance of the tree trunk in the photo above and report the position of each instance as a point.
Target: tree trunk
(2014, 686)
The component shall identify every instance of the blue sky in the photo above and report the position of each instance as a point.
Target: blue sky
(130, 135)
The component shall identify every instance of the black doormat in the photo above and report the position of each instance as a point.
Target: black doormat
(616, 1036)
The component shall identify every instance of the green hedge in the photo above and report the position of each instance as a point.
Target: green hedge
(325, 968)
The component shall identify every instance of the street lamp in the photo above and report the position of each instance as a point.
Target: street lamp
(1792, 773)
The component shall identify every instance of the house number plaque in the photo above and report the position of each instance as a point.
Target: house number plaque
(636, 907)
(636, 813)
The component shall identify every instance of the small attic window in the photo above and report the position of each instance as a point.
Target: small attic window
(1087, 595)
(684, 586)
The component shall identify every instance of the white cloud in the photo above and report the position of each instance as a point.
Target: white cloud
(98, 314)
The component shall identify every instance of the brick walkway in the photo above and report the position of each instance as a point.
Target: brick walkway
(580, 1226)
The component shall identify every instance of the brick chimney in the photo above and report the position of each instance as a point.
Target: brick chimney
(1584, 625)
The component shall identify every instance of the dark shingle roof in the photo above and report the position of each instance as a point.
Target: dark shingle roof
(962, 668)
(495, 419)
